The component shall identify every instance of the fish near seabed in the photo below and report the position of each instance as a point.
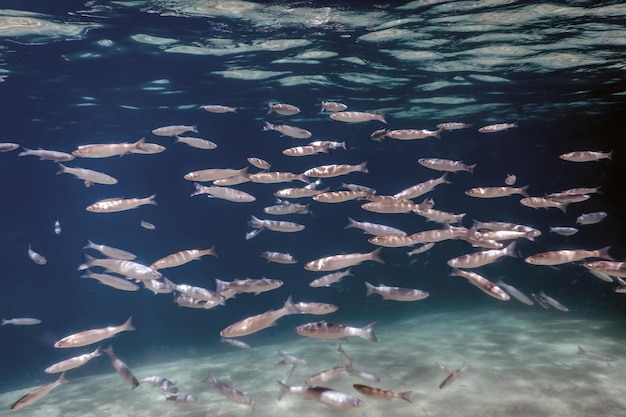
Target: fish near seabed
(453, 376)
(89, 337)
(381, 394)
(38, 393)
(121, 368)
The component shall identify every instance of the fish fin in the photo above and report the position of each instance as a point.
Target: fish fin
(375, 256)
(290, 308)
(471, 168)
(283, 389)
(438, 136)
(88, 260)
(62, 168)
(405, 396)
(4, 322)
(151, 200)
(351, 223)
(580, 351)
(267, 126)
(363, 167)
(128, 325)
(370, 288)
(604, 254)
(368, 332)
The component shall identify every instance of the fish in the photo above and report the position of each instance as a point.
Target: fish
(121, 368)
(316, 308)
(36, 257)
(396, 293)
(110, 251)
(259, 163)
(112, 281)
(89, 176)
(278, 257)
(212, 174)
(601, 275)
(159, 382)
(391, 241)
(224, 193)
(541, 202)
(453, 126)
(287, 130)
(329, 279)
(8, 146)
(325, 375)
(234, 180)
(478, 259)
(515, 293)
(340, 196)
(439, 216)
(57, 227)
(284, 207)
(256, 286)
(47, 154)
(147, 225)
(389, 204)
(325, 330)
(438, 235)
(411, 134)
(356, 117)
(586, 156)
(453, 376)
(199, 293)
(333, 106)
(218, 108)
(274, 177)
(159, 287)
(236, 343)
(597, 356)
(374, 228)
(182, 398)
(113, 205)
(560, 257)
(510, 179)
(21, 321)
(253, 233)
(563, 231)
(446, 165)
(38, 393)
(421, 249)
(92, 336)
(305, 150)
(182, 257)
(541, 300)
(335, 170)
(498, 127)
(381, 394)
(74, 362)
(259, 322)
(130, 269)
(231, 393)
(308, 190)
(499, 235)
(290, 360)
(483, 283)
(106, 150)
(612, 268)
(283, 109)
(591, 218)
(148, 149)
(335, 262)
(331, 144)
(379, 135)
(422, 188)
(197, 143)
(275, 225)
(532, 232)
(495, 192)
(326, 396)
(174, 130)
(554, 303)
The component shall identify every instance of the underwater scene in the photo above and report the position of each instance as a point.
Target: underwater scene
(313, 208)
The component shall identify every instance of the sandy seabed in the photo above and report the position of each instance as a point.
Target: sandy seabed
(522, 364)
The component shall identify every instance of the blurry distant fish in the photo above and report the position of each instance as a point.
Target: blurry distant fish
(38, 393)
(453, 376)
(22, 321)
(325, 330)
(259, 322)
(182, 257)
(259, 163)
(8, 146)
(279, 257)
(88, 176)
(497, 127)
(236, 343)
(357, 117)
(554, 303)
(74, 362)
(112, 281)
(333, 106)
(252, 233)
(174, 130)
(563, 231)
(381, 394)
(292, 131)
(89, 337)
(218, 108)
(159, 382)
(231, 393)
(453, 126)
(290, 360)
(36, 257)
(591, 218)
(515, 293)
(421, 249)
(57, 227)
(121, 368)
(335, 262)
(326, 396)
(182, 398)
(283, 108)
(110, 252)
(586, 156)
(197, 143)
(510, 179)
(147, 225)
(112, 205)
(541, 300)
(597, 356)
(483, 283)
(47, 154)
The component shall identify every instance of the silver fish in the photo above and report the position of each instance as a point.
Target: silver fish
(231, 393)
(453, 376)
(38, 393)
(597, 356)
(121, 368)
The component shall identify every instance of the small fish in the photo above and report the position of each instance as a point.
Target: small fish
(105, 150)
(453, 376)
(325, 375)
(275, 225)
(597, 356)
(92, 336)
(218, 108)
(22, 321)
(47, 154)
(174, 130)
(199, 293)
(483, 284)
(236, 343)
(112, 205)
(381, 394)
(335, 170)
(197, 143)
(8, 146)
(564, 231)
(213, 174)
(336, 262)
(515, 293)
(396, 293)
(495, 192)
(38, 393)
(36, 257)
(259, 322)
(74, 362)
(57, 228)
(421, 249)
(253, 233)
(586, 156)
(259, 163)
(110, 251)
(541, 202)
(554, 303)
(224, 193)
(591, 218)
(333, 106)
(278, 257)
(256, 286)
(291, 360)
(182, 398)
(147, 225)
(327, 280)
(357, 117)
(564, 256)
(292, 131)
(325, 330)
(283, 108)
(89, 176)
(182, 257)
(374, 228)
(478, 259)
(326, 396)
(498, 127)
(453, 126)
(541, 300)
(130, 269)
(446, 165)
(316, 308)
(379, 135)
(510, 179)
(159, 382)
(121, 368)
(231, 393)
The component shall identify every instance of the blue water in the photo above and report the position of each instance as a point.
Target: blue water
(60, 91)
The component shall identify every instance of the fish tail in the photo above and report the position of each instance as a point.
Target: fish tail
(62, 169)
(610, 155)
(25, 152)
(198, 189)
(283, 389)
(220, 286)
(128, 325)
(255, 222)
(211, 251)
(151, 200)
(604, 253)
(381, 117)
(580, 351)
(370, 288)
(108, 350)
(290, 308)
(89, 244)
(375, 256)
(304, 179)
(88, 262)
(367, 332)
(405, 396)
(510, 250)
(139, 144)
(351, 223)
(267, 126)
(438, 133)
(524, 192)
(363, 167)
(4, 322)
(471, 168)
(194, 128)
(444, 179)
(269, 109)
(62, 379)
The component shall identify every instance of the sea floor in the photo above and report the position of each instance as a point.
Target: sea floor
(522, 364)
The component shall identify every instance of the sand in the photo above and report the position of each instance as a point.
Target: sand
(520, 364)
